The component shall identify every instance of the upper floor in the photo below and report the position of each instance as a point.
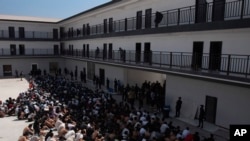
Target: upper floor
(134, 17)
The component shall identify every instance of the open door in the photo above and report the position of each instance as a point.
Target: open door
(215, 55)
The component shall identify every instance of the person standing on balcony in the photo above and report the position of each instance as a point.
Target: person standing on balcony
(178, 107)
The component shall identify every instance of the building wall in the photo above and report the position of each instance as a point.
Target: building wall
(231, 105)
(234, 41)
(25, 64)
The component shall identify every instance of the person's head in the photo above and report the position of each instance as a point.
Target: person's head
(30, 125)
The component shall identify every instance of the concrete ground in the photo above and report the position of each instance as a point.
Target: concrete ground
(11, 128)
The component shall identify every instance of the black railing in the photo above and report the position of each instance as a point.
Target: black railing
(225, 64)
(238, 9)
(4, 34)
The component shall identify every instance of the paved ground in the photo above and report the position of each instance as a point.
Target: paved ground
(11, 128)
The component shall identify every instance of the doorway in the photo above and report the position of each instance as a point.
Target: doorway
(147, 53)
(139, 20)
(56, 50)
(21, 50)
(148, 18)
(110, 51)
(211, 108)
(102, 76)
(12, 49)
(218, 10)
(104, 51)
(197, 55)
(138, 52)
(215, 55)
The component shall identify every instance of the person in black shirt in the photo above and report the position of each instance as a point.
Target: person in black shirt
(178, 107)
(201, 116)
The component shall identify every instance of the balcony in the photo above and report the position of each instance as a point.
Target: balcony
(207, 13)
(224, 66)
(27, 35)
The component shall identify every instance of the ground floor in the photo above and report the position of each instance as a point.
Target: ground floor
(225, 102)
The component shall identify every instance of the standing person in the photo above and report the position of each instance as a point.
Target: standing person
(115, 85)
(107, 83)
(178, 107)
(21, 75)
(201, 116)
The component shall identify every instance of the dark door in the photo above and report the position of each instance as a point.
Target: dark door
(110, 25)
(62, 48)
(138, 52)
(211, 107)
(11, 32)
(147, 53)
(105, 51)
(62, 34)
(88, 29)
(83, 50)
(110, 51)
(200, 11)
(12, 49)
(148, 18)
(21, 32)
(197, 55)
(87, 50)
(56, 50)
(102, 76)
(83, 30)
(105, 25)
(215, 55)
(21, 50)
(139, 20)
(218, 10)
(55, 33)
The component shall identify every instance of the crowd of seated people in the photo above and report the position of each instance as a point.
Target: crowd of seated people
(62, 110)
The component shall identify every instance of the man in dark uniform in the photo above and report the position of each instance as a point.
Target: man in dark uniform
(178, 107)
(201, 116)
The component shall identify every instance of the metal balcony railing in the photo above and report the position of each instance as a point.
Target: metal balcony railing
(4, 34)
(228, 64)
(238, 9)
(224, 64)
